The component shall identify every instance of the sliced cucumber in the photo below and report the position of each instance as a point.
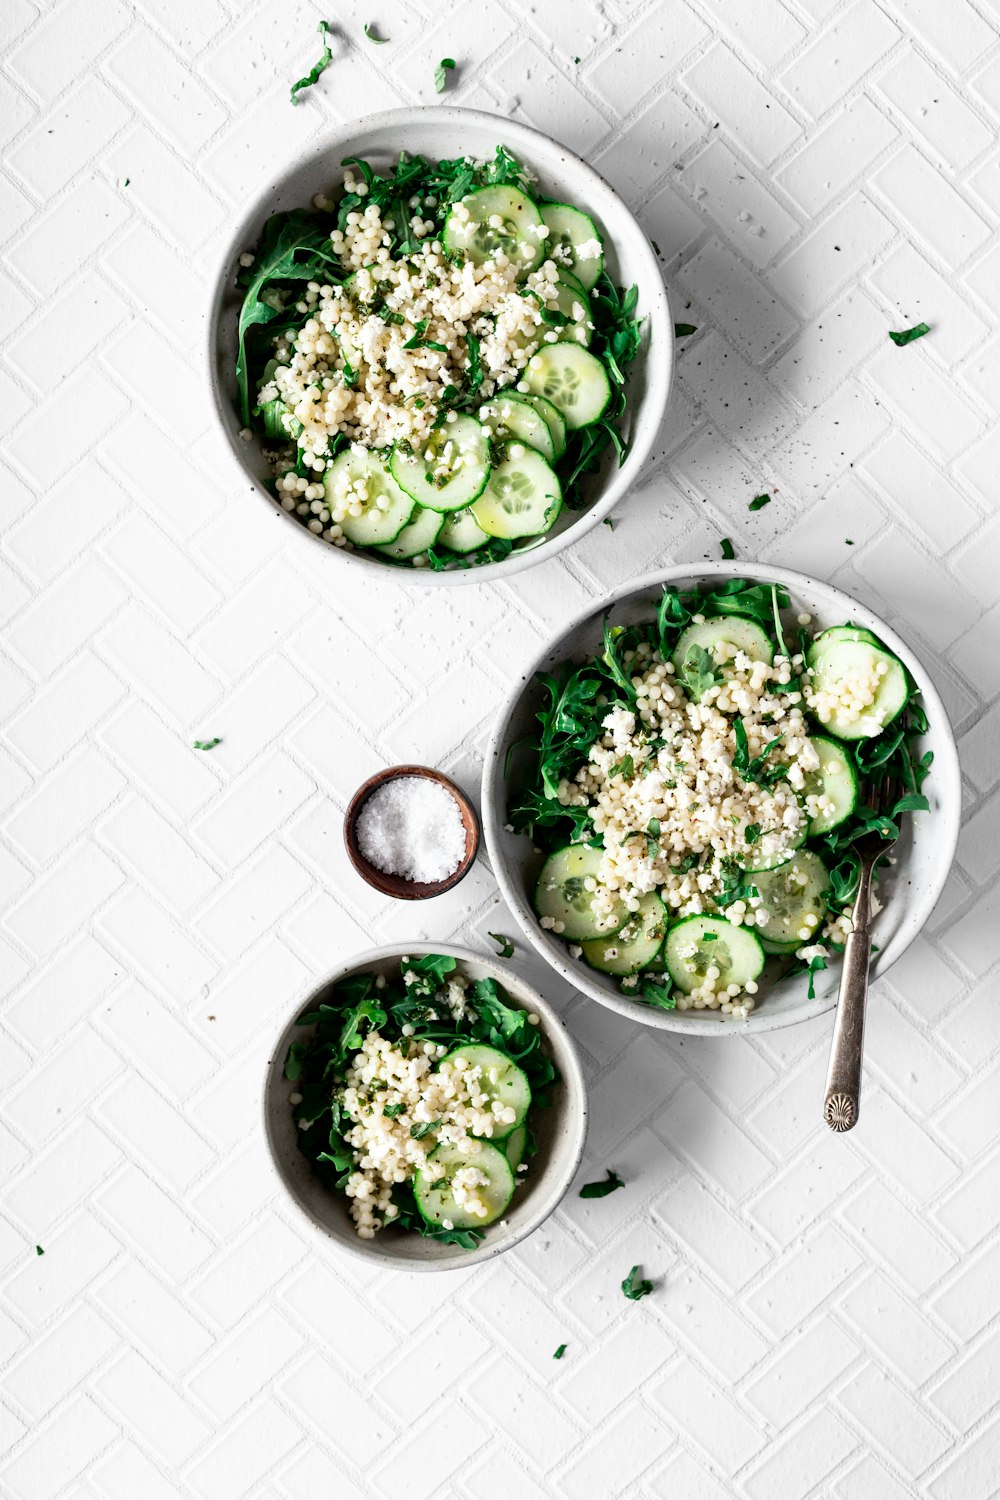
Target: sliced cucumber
(494, 219)
(572, 379)
(554, 418)
(509, 416)
(836, 781)
(515, 1146)
(522, 497)
(357, 475)
(574, 304)
(837, 663)
(636, 945)
(850, 633)
(449, 469)
(436, 1200)
(500, 1079)
(574, 234)
(562, 893)
(722, 636)
(794, 897)
(461, 532)
(696, 944)
(279, 421)
(421, 532)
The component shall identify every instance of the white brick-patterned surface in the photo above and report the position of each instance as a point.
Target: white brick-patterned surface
(826, 1319)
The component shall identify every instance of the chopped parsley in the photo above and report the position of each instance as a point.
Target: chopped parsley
(758, 502)
(683, 330)
(728, 551)
(207, 744)
(320, 67)
(39, 1250)
(379, 41)
(610, 1184)
(444, 67)
(635, 1287)
(909, 335)
(560, 1351)
(609, 523)
(505, 947)
(424, 1128)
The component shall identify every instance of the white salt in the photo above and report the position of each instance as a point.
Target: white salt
(411, 826)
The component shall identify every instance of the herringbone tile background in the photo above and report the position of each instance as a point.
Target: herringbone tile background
(827, 1318)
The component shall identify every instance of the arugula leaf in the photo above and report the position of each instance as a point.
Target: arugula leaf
(752, 833)
(624, 767)
(392, 1111)
(758, 502)
(379, 41)
(727, 549)
(610, 1184)
(697, 672)
(658, 992)
(612, 634)
(908, 335)
(207, 744)
(560, 1351)
(444, 67)
(816, 964)
(635, 1287)
(320, 67)
(756, 768)
(505, 947)
(423, 1128)
(474, 366)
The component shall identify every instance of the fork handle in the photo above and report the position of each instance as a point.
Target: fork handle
(843, 1080)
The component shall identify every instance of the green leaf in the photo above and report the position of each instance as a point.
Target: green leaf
(207, 744)
(758, 502)
(609, 523)
(658, 992)
(444, 67)
(727, 549)
(684, 330)
(505, 947)
(697, 672)
(612, 635)
(624, 767)
(379, 41)
(392, 1111)
(424, 1128)
(816, 964)
(909, 335)
(40, 1251)
(610, 1184)
(560, 1351)
(475, 369)
(635, 1287)
(314, 72)
(297, 1052)
(752, 833)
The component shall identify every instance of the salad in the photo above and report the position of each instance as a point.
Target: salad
(415, 1095)
(698, 788)
(434, 360)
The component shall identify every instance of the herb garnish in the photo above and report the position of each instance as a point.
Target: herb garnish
(314, 72)
(908, 335)
(601, 1189)
(444, 67)
(39, 1250)
(207, 744)
(505, 947)
(728, 551)
(683, 330)
(758, 502)
(379, 41)
(635, 1288)
(560, 1351)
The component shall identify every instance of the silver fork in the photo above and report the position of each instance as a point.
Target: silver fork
(843, 1080)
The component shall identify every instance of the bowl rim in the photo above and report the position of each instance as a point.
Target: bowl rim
(658, 372)
(395, 885)
(947, 776)
(573, 1082)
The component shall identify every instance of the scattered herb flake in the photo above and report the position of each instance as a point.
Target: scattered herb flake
(684, 330)
(207, 744)
(635, 1288)
(314, 72)
(560, 1351)
(909, 335)
(444, 67)
(624, 767)
(728, 551)
(505, 947)
(126, 183)
(609, 523)
(610, 1184)
(656, 247)
(379, 41)
(424, 1128)
(758, 502)
(816, 964)
(39, 1250)
(848, 542)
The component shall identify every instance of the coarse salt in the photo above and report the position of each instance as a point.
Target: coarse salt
(411, 826)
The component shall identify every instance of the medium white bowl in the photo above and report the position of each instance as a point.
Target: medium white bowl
(560, 1130)
(442, 133)
(909, 889)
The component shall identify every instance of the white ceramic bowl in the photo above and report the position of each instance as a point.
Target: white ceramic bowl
(442, 133)
(909, 889)
(560, 1130)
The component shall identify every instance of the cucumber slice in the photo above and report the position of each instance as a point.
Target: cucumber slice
(461, 532)
(574, 234)
(561, 893)
(850, 633)
(696, 944)
(722, 636)
(279, 421)
(436, 1200)
(509, 416)
(835, 664)
(836, 781)
(420, 533)
(572, 379)
(357, 475)
(500, 1079)
(450, 467)
(554, 418)
(494, 219)
(794, 897)
(635, 947)
(574, 304)
(522, 497)
(515, 1146)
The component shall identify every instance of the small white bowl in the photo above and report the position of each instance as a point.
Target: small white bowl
(909, 889)
(443, 133)
(560, 1130)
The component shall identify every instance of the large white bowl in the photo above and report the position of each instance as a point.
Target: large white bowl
(445, 133)
(560, 1130)
(909, 889)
